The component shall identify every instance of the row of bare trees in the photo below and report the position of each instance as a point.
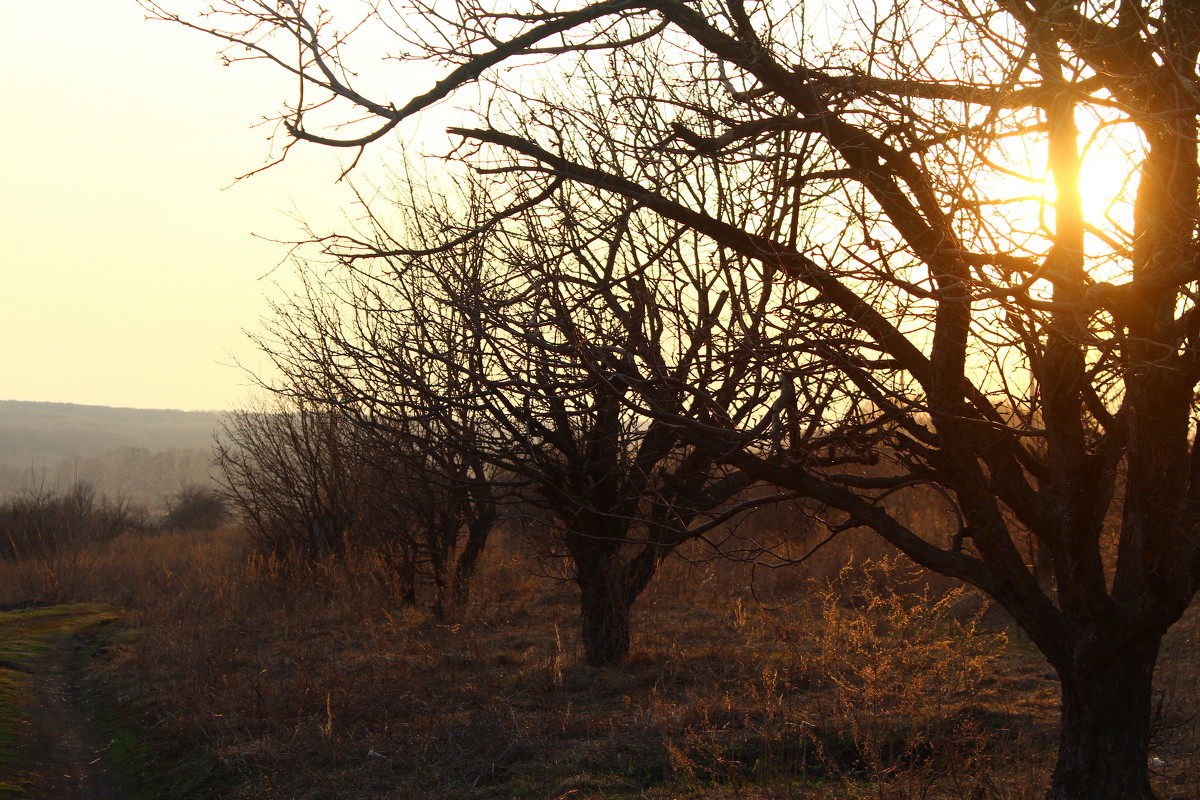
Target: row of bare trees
(434, 389)
(314, 482)
(864, 224)
(41, 523)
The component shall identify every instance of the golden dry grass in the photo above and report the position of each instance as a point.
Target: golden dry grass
(868, 681)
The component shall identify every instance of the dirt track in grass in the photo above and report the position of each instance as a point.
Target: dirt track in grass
(67, 751)
(55, 748)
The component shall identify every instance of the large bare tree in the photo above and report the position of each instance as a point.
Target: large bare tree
(1034, 359)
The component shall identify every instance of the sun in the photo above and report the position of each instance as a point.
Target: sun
(1110, 162)
(1020, 198)
(1107, 187)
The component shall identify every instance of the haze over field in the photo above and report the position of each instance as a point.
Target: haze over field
(137, 454)
(752, 398)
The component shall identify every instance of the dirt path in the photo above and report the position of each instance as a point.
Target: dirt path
(49, 746)
(67, 748)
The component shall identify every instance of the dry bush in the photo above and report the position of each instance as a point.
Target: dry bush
(196, 508)
(50, 541)
(878, 683)
(899, 667)
(142, 569)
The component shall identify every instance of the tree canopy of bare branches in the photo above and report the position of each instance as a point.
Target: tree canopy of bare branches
(519, 350)
(995, 335)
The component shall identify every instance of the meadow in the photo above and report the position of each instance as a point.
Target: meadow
(851, 676)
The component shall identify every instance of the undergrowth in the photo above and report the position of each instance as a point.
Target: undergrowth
(238, 677)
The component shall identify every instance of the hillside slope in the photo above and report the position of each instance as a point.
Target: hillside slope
(139, 454)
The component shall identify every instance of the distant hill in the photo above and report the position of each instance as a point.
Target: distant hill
(137, 453)
(34, 434)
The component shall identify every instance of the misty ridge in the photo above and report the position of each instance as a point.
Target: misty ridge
(140, 455)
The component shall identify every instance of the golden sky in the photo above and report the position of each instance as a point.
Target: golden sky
(131, 266)
(129, 269)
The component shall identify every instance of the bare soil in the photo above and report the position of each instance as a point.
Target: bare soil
(67, 749)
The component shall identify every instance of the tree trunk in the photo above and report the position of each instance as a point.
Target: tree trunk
(441, 583)
(604, 600)
(1104, 740)
(404, 567)
(408, 594)
(604, 611)
(478, 531)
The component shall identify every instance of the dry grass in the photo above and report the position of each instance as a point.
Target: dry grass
(867, 681)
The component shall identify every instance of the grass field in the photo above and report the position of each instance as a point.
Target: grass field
(236, 678)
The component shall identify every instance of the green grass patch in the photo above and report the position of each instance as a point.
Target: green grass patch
(27, 639)
(12, 685)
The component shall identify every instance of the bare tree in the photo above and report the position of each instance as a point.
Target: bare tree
(380, 357)
(1018, 352)
(441, 497)
(314, 476)
(287, 470)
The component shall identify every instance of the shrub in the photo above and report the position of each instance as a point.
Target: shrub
(196, 508)
(53, 538)
(44, 522)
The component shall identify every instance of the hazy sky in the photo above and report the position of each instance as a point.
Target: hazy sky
(129, 270)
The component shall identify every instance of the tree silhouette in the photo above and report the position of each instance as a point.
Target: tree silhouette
(1036, 364)
(506, 360)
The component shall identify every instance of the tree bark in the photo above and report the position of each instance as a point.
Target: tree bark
(439, 565)
(468, 561)
(603, 600)
(604, 612)
(1104, 740)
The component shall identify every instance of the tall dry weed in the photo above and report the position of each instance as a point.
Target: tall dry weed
(899, 669)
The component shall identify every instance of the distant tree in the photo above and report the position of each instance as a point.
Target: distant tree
(196, 508)
(443, 504)
(314, 476)
(286, 469)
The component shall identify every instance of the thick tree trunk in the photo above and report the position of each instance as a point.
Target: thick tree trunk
(441, 585)
(601, 573)
(604, 612)
(1105, 735)
(603, 601)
